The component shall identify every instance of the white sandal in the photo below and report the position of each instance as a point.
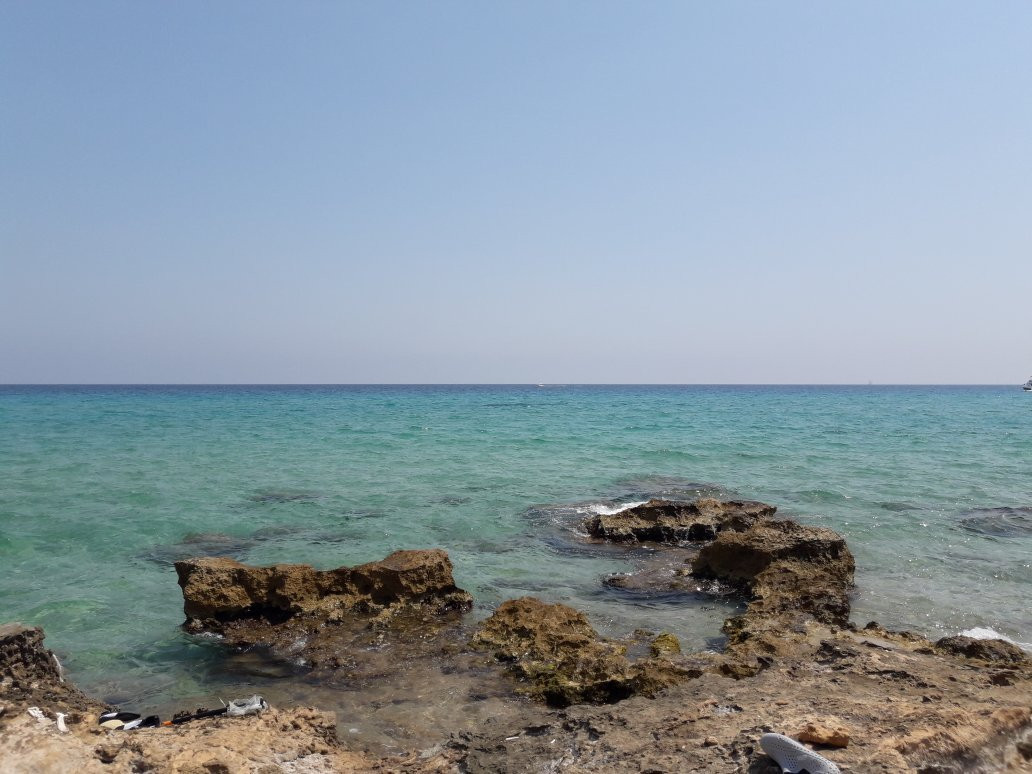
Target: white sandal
(793, 757)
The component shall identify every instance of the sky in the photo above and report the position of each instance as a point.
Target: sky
(515, 192)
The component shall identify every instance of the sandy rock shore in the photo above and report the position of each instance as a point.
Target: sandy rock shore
(869, 699)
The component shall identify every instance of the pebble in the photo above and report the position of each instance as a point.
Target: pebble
(827, 731)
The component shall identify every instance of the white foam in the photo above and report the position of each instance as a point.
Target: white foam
(987, 633)
(609, 510)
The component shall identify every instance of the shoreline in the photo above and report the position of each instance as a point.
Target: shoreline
(575, 701)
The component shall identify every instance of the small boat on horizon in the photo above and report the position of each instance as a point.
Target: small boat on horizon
(1027, 386)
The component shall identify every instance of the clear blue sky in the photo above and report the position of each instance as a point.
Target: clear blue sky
(515, 192)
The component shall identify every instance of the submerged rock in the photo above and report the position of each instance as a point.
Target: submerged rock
(670, 521)
(557, 656)
(1004, 522)
(197, 544)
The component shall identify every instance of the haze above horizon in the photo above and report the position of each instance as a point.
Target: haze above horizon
(664, 193)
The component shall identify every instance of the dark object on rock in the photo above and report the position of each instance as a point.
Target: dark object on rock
(993, 651)
(669, 521)
(559, 657)
(218, 591)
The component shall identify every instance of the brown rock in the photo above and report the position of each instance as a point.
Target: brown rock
(741, 556)
(218, 590)
(669, 521)
(993, 651)
(23, 657)
(29, 673)
(557, 656)
(665, 644)
(827, 731)
(787, 567)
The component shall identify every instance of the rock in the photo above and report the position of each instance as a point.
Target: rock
(1025, 749)
(669, 521)
(664, 644)
(660, 572)
(994, 651)
(555, 650)
(217, 591)
(29, 673)
(23, 657)
(827, 731)
(711, 741)
(787, 567)
(557, 656)
(742, 555)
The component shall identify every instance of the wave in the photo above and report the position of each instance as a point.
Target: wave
(988, 633)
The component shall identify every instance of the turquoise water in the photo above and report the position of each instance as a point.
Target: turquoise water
(101, 485)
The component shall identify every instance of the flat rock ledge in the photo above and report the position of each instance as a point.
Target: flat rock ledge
(672, 521)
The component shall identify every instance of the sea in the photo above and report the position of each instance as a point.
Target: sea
(103, 488)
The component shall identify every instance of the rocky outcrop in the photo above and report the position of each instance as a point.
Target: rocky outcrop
(219, 591)
(671, 521)
(29, 673)
(556, 655)
(991, 651)
(289, 740)
(785, 567)
(872, 700)
(309, 619)
(741, 556)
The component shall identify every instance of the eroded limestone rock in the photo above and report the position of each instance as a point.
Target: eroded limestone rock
(218, 591)
(29, 673)
(670, 521)
(993, 651)
(785, 567)
(557, 656)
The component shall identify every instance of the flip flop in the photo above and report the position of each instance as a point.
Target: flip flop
(793, 757)
(127, 721)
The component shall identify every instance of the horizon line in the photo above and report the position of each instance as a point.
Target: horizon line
(509, 384)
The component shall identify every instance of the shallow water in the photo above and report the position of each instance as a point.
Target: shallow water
(104, 487)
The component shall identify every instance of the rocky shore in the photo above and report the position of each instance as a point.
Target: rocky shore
(869, 699)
